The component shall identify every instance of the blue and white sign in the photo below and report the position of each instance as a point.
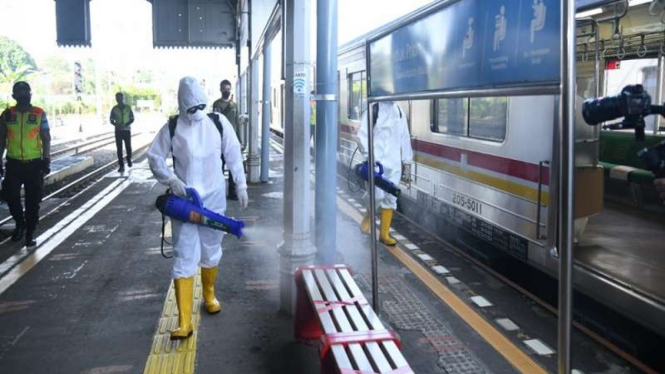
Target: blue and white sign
(470, 44)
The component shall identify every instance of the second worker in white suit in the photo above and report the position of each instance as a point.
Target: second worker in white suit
(197, 146)
(392, 148)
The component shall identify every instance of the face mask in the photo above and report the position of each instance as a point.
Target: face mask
(226, 95)
(196, 116)
(22, 100)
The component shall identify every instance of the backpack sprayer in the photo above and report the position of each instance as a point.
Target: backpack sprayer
(632, 103)
(362, 171)
(192, 211)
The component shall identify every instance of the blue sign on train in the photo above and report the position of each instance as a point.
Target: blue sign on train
(470, 44)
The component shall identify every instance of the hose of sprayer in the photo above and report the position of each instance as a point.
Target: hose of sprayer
(349, 173)
(164, 238)
(168, 191)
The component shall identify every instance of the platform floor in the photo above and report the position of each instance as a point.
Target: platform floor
(94, 298)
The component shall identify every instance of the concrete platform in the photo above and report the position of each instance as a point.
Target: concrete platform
(96, 297)
(67, 166)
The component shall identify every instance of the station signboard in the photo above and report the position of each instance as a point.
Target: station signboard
(470, 44)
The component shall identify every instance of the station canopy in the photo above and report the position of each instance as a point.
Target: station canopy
(176, 23)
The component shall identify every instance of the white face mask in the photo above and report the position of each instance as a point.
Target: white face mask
(197, 116)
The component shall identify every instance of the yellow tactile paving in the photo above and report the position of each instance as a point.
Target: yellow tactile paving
(174, 357)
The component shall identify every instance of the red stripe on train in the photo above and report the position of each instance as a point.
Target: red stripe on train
(514, 168)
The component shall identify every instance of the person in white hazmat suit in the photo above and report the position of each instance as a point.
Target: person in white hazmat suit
(392, 148)
(197, 147)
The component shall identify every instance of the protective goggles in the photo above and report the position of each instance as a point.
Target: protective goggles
(193, 109)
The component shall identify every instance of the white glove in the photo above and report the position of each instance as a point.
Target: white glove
(243, 199)
(178, 187)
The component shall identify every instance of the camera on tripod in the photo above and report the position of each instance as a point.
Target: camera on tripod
(633, 104)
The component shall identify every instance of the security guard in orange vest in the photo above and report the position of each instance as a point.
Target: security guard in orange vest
(122, 118)
(24, 132)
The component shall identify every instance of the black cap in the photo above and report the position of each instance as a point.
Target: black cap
(21, 85)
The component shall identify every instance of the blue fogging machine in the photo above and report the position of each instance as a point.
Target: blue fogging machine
(362, 171)
(192, 211)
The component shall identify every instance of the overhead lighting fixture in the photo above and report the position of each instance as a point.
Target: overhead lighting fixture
(589, 13)
(596, 11)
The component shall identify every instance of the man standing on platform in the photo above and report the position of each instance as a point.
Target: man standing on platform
(122, 118)
(24, 132)
(229, 109)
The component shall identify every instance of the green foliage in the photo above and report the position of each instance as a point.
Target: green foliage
(15, 62)
(134, 93)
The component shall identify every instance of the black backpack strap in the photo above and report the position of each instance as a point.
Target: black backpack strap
(173, 122)
(218, 123)
(375, 113)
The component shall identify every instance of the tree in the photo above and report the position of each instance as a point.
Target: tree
(15, 62)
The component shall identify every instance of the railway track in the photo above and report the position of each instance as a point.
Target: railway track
(57, 146)
(87, 146)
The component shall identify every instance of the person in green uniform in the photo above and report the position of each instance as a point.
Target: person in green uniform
(122, 118)
(25, 134)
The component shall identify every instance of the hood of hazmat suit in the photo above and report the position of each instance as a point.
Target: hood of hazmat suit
(392, 142)
(197, 149)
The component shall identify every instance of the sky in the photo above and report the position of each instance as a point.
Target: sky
(122, 35)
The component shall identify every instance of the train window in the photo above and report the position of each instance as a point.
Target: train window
(357, 95)
(451, 116)
(487, 118)
(480, 118)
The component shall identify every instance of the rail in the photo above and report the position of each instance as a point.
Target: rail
(77, 148)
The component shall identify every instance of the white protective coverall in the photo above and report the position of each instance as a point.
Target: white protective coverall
(197, 147)
(392, 147)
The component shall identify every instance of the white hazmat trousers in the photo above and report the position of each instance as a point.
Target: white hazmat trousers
(392, 147)
(197, 148)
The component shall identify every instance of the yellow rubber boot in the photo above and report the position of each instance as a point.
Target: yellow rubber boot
(208, 277)
(184, 295)
(386, 220)
(364, 225)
